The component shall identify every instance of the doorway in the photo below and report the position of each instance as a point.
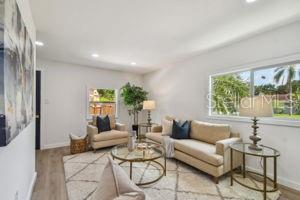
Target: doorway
(38, 111)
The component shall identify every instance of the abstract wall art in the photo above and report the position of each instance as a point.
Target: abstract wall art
(17, 53)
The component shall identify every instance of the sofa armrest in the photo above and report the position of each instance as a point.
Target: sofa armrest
(91, 131)
(223, 145)
(234, 135)
(120, 127)
(156, 129)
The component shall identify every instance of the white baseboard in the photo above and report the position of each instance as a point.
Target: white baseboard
(32, 183)
(55, 145)
(281, 181)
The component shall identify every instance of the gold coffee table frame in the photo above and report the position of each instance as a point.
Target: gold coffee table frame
(266, 152)
(139, 159)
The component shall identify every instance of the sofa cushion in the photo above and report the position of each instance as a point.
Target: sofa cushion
(208, 132)
(110, 135)
(157, 137)
(200, 150)
(167, 126)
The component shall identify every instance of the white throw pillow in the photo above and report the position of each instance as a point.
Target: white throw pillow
(167, 126)
(115, 184)
(75, 137)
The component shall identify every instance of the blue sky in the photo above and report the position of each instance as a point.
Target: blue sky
(265, 76)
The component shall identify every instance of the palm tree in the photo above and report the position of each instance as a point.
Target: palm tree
(289, 74)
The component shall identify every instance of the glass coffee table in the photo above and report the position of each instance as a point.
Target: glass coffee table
(142, 152)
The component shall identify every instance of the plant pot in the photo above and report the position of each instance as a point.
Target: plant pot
(135, 128)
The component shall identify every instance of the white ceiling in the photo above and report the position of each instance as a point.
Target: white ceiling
(152, 33)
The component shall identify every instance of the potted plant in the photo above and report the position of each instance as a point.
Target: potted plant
(133, 97)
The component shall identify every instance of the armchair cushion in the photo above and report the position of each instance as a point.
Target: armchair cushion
(223, 145)
(110, 135)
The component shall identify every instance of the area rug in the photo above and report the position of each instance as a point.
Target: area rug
(182, 182)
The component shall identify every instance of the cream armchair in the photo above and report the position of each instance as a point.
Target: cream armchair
(116, 136)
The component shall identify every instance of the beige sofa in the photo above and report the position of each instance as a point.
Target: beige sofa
(118, 135)
(207, 149)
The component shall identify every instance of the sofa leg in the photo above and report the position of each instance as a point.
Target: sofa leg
(94, 150)
(216, 180)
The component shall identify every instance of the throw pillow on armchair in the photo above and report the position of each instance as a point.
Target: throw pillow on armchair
(103, 124)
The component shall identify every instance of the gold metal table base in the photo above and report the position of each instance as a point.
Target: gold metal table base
(163, 168)
(253, 188)
(263, 176)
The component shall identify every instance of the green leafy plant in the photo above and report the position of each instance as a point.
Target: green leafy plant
(227, 92)
(287, 74)
(133, 97)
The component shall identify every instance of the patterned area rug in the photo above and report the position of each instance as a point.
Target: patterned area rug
(182, 182)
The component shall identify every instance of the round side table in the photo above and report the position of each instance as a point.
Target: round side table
(264, 154)
(146, 126)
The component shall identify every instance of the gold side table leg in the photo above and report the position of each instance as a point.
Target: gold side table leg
(165, 165)
(275, 172)
(265, 178)
(130, 174)
(244, 166)
(231, 167)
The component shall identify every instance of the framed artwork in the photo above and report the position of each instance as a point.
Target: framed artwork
(16, 72)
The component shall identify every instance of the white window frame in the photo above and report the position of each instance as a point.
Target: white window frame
(117, 95)
(293, 59)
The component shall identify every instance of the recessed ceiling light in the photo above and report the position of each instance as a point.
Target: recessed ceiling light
(39, 43)
(95, 55)
(250, 1)
(133, 63)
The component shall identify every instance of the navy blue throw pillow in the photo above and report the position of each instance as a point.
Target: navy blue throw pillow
(103, 124)
(180, 131)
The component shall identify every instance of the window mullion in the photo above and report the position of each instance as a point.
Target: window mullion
(252, 83)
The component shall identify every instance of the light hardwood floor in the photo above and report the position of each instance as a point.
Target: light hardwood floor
(50, 183)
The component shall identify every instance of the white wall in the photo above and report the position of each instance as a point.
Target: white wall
(17, 160)
(64, 101)
(181, 89)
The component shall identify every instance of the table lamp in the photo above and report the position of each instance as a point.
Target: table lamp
(258, 106)
(149, 105)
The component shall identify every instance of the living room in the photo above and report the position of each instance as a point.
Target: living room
(150, 100)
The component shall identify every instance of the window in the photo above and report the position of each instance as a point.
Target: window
(102, 102)
(281, 83)
(227, 90)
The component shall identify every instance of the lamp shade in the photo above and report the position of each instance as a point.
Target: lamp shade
(258, 106)
(149, 105)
